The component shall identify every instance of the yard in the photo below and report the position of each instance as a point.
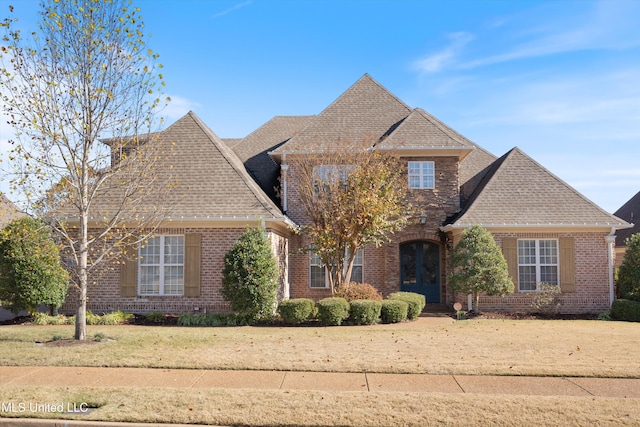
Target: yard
(472, 347)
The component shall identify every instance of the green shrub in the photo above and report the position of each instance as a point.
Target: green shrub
(31, 272)
(415, 301)
(155, 317)
(297, 310)
(624, 309)
(365, 311)
(45, 319)
(393, 311)
(354, 291)
(211, 319)
(113, 318)
(333, 311)
(99, 337)
(628, 283)
(250, 276)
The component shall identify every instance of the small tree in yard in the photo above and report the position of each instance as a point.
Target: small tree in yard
(352, 195)
(250, 275)
(30, 270)
(86, 75)
(479, 266)
(628, 282)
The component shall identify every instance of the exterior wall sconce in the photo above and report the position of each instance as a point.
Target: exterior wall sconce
(423, 218)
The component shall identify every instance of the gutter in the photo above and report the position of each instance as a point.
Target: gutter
(611, 244)
(618, 226)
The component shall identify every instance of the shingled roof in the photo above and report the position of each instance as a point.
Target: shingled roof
(8, 211)
(254, 148)
(421, 130)
(630, 212)
(364, 110)
(517, 191)
(201, 179)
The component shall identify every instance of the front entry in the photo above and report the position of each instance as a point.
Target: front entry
(420, 269)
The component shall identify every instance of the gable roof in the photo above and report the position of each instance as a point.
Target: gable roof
(519, 192)
(8, 211)
(254, 148)
(364, 110)
(630, 212)
(421, 130)
(201, 179)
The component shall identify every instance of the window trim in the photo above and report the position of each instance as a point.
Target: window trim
(421, 175)
(326, 272)
(537, 263)
(161, 266)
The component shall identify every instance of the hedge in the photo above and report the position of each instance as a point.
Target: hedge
(297, 310)
(624, 309)
(393, 311)
(333, 311)
(365, 311)
(416, 302)
(354, 291)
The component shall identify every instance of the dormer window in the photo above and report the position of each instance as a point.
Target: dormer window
(422, 175)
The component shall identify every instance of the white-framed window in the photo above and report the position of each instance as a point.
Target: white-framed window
(330, 173)
(422, 175)
(537, 263)
(161, 266)
(319, 276)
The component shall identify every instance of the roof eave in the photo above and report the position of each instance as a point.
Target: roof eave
(572, 226)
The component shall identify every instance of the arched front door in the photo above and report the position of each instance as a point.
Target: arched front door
(420, 269)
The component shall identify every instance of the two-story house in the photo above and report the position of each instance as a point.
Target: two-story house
(548, 231)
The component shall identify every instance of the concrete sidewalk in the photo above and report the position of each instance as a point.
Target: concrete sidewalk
(325, 381)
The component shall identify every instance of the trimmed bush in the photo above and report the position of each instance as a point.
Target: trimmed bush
(332, 311)
(365, 311)
(628, 282)
(211, 319)
(393, 311)
(297, 310)
(627, 310)
(354, 291)
(250, 276)
(415, 301)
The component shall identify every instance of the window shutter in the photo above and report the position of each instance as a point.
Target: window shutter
(129, 273)
(192, 255)
(510, 252)
(567, 264)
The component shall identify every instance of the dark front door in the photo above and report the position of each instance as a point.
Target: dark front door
(420, 269)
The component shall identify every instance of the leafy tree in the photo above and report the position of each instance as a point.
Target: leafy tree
(629, 273)
(30, 270)
(479, 266)
(352, 196)
(250, 275)
(87, 75)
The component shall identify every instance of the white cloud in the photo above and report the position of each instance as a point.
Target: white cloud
(178, 107)
(439, 60)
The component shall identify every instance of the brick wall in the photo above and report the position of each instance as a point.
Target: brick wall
(382, 265)
(104, 286)
(591, 270)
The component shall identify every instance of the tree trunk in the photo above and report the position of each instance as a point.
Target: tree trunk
(476, 297)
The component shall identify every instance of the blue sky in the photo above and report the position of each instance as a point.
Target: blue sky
(559, 79)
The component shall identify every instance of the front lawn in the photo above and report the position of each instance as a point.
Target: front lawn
(496, 347)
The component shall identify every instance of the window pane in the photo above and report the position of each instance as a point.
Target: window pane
(549, 274)
(174, 250)
(548, 252)
(356, 274)
(149, 280)
(526, 252)
(317, 277)
(427, 182)
(150, 252)
(173, 280)
(527, 278)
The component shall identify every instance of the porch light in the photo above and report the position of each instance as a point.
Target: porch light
(423, 218)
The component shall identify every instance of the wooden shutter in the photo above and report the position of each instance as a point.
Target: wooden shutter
(129, 273)
(567, 264)
(510, 252)
(192, 255)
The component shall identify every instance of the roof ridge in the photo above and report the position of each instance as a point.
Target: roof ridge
(234, 161)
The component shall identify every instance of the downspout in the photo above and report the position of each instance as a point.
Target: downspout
(285, 167)
(611, 242)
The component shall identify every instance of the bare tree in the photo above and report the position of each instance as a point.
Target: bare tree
(352, 195)
(86, 76)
